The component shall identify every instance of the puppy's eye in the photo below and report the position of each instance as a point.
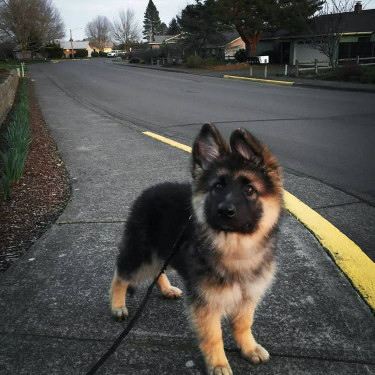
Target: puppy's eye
(218, 186)
(249, 190)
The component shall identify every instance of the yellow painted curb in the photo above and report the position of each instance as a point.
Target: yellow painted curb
(349, 257)
(355, 264)
(169, 141)
(287, 83)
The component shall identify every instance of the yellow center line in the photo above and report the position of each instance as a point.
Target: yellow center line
(348, 256)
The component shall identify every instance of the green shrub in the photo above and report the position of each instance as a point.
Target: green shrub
(199, 62)
(194, 62)
(81, 53)
(211, 61)
(148, 54)
(54, 51)
(241, 55)
(349, 73)
(94, 54)
(18, 141)
(368, 75)
(102, 54)
(134, 60)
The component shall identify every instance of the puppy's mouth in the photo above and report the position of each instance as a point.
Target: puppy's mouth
(225, 227)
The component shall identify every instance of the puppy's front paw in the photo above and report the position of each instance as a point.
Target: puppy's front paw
(257, 356)
(221, 370)
(120, 313)
(172, 293)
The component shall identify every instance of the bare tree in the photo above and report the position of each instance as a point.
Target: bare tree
(326, 28)
(30, 24)
(99, 31)
(125, 30)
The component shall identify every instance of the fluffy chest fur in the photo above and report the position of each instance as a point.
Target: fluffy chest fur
(242, 270)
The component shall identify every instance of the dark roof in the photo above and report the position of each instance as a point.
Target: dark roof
(159, 39)
(349, 22)
(219, 40)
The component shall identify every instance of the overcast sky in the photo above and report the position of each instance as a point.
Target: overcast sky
(77, 13)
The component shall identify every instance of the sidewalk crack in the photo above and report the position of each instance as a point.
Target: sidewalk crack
(335, 205)
(91, 222)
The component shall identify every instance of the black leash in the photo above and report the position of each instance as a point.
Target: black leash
(138, 313)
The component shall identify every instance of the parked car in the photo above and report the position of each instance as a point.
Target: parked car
(114, 53)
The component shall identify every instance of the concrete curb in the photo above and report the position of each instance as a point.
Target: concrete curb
(286, 83)
(306, 85)
(349, 257)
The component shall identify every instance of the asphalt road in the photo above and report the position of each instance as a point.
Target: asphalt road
(324, 139)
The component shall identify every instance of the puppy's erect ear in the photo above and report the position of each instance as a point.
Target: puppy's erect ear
(250, 148)
(208, 146)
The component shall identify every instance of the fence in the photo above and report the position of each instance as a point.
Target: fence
(358, 61)
(159, 61)
(314, 66)
(322, 65)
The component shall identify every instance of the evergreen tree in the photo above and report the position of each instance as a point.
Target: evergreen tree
(163, 30)
(151, 22)
(199, 23)
(173, 27)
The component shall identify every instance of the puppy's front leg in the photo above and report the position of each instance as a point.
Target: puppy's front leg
(241, 322)
(207, 323)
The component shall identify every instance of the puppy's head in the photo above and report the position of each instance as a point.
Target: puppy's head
(236, 188)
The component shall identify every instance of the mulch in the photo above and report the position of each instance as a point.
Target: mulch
(39, 197)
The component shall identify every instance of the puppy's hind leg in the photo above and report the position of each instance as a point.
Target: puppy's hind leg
(167, 290)
(118, 297)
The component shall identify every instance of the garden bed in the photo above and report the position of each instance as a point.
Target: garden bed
(40, 195)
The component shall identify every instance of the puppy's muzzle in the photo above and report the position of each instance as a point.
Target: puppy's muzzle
(226, 209)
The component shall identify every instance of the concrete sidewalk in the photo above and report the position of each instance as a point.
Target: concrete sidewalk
(54, 300)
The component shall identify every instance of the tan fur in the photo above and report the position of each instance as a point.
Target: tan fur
(271, 212)
(207, 322)
(167, 290)
(223, 298)
(241, 323)
(118, 292)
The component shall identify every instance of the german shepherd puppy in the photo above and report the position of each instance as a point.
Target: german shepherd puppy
(225, 254)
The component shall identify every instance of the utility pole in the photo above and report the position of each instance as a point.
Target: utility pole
(71, 42)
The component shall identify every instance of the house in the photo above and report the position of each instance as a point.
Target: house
(224, 45)
(106, 49)
(17, 54)
(356, 28)
(84, 44)
(67, 47)
(163, 39)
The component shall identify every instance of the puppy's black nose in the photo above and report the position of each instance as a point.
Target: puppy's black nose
(226, 209)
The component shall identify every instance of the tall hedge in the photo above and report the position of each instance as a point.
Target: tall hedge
(81, 53)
